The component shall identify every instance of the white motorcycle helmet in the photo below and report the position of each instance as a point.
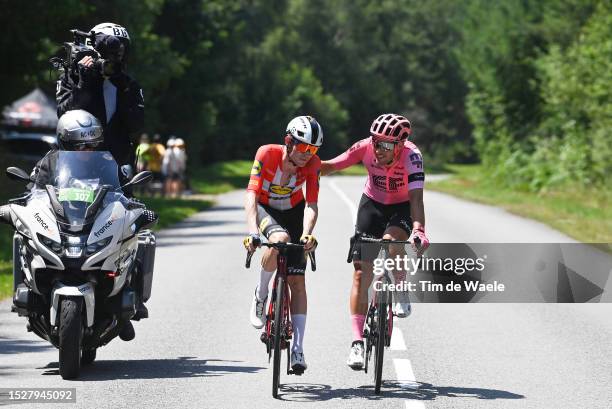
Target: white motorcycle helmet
(78, 129)
(305, 129)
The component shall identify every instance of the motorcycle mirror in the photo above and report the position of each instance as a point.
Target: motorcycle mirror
(140, 179)
(15, 173)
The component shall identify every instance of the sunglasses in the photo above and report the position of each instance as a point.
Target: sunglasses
(304, 147)
(386, 146)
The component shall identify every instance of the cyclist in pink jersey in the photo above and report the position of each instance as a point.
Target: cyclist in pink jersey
(391, 207)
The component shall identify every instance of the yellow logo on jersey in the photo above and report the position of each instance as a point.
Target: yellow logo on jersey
(264, 223)
(256, 170)
(280, 190)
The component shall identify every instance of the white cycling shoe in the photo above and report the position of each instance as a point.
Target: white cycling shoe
(257, 315)
(356, 356)
(401, 305)
(298, 363)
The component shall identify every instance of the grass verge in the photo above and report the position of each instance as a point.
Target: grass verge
(582, 213)
(6, 279)
(221, 177)
(172, 211)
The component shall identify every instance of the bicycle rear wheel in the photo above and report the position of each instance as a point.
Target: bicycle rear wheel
(277, 333)
(381, 335)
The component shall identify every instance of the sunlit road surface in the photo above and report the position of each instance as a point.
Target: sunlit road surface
(199, 350)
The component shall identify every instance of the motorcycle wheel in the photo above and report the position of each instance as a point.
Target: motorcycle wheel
(88, 356)
(70, 336)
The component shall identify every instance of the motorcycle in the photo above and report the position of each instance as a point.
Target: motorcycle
(83, 253)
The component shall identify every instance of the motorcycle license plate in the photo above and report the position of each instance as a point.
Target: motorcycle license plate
(76, 195)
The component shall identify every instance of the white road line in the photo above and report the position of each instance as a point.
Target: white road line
(397, 340)
(405, 375)
(345, 199)
(406, 379)
(414, 404)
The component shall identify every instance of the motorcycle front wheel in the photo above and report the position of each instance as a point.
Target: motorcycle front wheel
(70, 337)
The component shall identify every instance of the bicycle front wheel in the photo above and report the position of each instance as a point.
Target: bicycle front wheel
(277, 333)
(381, 335)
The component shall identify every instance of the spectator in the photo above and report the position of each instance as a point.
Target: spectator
(156, 156)
(173, 166)
(142, 153)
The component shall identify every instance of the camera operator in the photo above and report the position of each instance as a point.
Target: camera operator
(102, 87)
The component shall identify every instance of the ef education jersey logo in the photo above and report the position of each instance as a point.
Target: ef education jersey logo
(387, 184)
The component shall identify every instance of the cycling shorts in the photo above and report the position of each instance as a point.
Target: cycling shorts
(289, 221)
(373, 219)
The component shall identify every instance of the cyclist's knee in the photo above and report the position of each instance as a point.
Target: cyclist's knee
(395, 233)
(297, 284)
(361, 273)
(279, 237)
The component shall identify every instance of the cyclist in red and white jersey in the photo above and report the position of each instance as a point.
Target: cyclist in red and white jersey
(275, 206)
(391, 207)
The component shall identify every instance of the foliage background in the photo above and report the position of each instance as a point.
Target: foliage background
(521, 85)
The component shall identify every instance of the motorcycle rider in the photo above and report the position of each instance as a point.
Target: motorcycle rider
(107, 92)
(78, 130)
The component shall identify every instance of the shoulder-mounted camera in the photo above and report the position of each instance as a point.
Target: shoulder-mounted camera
(83, 45)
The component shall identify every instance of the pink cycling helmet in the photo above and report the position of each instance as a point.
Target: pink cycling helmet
(391, 128)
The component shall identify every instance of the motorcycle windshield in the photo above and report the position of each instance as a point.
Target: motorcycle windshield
(77, 178)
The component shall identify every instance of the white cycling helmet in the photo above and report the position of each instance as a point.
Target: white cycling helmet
(112, 29)
(306, 129)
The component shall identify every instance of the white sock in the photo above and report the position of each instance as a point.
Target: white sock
(264, 281)
(299, 326)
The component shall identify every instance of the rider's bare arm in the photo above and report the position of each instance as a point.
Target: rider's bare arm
(311, 212)
(253, 190)
(250, 205)
(351, 157)
(327, 168)
(417, 209)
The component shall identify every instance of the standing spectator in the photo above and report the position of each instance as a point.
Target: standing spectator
(156, 156)
(142, 153)
(182, 162)
(173, 166)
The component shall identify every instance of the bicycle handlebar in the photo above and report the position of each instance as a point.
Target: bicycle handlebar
(311, 255)
(368, 239)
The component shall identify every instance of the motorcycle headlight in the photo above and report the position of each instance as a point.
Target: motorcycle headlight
(98, 245)
(53, 245)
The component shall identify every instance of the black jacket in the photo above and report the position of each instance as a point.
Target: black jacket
(121, 131)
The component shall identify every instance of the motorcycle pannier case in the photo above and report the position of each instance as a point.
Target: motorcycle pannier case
(146, 260)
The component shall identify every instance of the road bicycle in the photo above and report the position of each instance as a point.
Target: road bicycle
(378, 326)
(278, 329)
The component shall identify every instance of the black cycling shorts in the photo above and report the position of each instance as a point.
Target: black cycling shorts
(373, 218)
(290, 221)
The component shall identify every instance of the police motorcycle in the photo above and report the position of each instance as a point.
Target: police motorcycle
(83, 253)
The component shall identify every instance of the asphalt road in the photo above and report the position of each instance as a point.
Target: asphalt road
(198, 349)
